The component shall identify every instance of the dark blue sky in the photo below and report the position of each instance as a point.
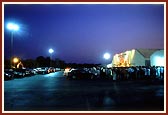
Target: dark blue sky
(83, 33)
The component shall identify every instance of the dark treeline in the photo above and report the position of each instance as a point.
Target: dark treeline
(47, 62)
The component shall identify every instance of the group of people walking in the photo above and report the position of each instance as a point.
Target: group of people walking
(128, 73)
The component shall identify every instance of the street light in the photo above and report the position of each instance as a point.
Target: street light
(15, 60)
(107, 56)
(51, 51)
(12, 27)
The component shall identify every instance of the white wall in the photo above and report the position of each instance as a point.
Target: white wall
(138, 59)
(157, 58)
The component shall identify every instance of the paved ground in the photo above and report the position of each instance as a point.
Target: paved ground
(52, 92)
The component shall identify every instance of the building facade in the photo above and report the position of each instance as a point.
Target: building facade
(157, 58)
(134, 57)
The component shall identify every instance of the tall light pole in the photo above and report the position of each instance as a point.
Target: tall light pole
(106, 57)
(12, 27)
(51, 51)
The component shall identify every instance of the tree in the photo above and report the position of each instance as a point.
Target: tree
(7, 63)
(40, 61)
(59, 63)
(29, 63)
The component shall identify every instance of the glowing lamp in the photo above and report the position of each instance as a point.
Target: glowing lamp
(51, 51)
(15, 60)
(106, 56)
(12, 26)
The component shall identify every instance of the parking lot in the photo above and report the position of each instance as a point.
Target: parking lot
(53, 92)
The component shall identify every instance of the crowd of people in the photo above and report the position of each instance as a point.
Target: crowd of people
(128, 73)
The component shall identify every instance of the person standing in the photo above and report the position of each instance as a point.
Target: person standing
(114, 74)
(161, 72)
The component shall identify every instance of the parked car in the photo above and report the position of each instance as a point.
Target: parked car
(28, 72)
(80, 74)
(42, 70)
(31, 71)
(51, 69)
(18, 73)
(8, 74)
(34, 71)
(57, 69)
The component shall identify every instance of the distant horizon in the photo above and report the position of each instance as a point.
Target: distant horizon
(7, 59)
(84, 62)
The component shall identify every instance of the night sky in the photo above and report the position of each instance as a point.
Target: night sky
(83, 33)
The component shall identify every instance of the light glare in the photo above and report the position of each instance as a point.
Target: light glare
(9, 26)
(15, 60)
(106, 56)
(12, 26)
(16, 27)
(51, 50)
(159, 61)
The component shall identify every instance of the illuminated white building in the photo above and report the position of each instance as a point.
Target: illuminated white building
(134, 57)
(157, 58)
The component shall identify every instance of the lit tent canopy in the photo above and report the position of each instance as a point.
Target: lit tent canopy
(134, 57)
(157, 58)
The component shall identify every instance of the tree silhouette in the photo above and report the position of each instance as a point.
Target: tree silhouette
(40, 61)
